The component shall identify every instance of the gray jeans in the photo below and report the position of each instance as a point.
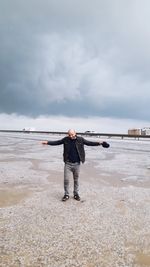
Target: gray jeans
(73, 168)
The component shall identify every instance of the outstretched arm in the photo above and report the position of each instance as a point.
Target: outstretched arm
(91, 143)
(53, 143)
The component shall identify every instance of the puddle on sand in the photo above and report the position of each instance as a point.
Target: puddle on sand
(121, 207)
(12, 196)
(142, 259)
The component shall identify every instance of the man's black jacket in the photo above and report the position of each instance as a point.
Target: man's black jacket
(80, 142)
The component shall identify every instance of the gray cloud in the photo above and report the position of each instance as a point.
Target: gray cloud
(76, 58)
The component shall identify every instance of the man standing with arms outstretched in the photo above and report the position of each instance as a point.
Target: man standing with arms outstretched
(73, 154)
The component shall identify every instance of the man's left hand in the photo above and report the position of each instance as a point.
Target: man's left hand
(105, 144)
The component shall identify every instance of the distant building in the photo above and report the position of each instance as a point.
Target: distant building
(135, 131)
(145, 131)
(139, 131)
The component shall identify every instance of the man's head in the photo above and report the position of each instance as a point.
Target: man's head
(72, 134)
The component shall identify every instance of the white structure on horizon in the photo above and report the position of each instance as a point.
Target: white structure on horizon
(145, 131)
(28, 129)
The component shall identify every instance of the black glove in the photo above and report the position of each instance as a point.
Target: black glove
(105, 144)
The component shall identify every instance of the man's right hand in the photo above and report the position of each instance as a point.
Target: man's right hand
(44, 142)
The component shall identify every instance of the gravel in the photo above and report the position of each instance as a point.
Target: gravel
(109, 227)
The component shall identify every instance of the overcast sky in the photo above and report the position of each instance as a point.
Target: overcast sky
(75, 60)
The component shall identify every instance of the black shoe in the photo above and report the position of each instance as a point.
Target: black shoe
(76, 197)
(65, 197)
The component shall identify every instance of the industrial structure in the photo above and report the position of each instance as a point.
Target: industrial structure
(139, 131)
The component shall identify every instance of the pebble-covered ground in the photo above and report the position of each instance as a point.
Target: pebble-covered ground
(109, 227)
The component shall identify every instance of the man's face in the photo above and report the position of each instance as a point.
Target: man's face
(72, 134)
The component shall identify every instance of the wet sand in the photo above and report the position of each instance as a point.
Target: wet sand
(10, 196)
(109, 227)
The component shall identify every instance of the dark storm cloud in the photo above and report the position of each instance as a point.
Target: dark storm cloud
(76, 58)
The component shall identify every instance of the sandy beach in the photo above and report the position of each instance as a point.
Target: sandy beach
(109, 227)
